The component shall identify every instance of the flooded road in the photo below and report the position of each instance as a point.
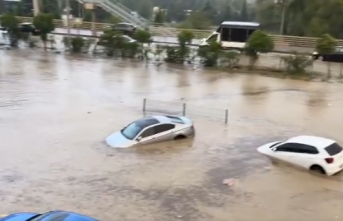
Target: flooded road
(56, 110)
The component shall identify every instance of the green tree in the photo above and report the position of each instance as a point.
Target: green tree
(258, 42)
(45, 24)
(10, 23)
(210, 11)
(197, 20)
(114, 20)
(244, 11)
(185, 38)
(144, 8)
(18, 9)
(52, 7)
(326, 45)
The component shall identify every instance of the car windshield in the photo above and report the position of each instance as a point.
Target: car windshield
(334, 149)
(132, 130)
(51, 216)
(275, 144)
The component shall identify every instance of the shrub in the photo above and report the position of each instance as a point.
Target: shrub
(45, 24)
(142, 36)
(10, 22)
(77, 44)
(210, 54)
(258, 42)
(297, 64)
(185, 37)
(130, 50)
(326, 45)
(174, 54)
(229, 59)
(180, 53)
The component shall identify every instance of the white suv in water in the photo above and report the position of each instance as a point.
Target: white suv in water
(318, 154)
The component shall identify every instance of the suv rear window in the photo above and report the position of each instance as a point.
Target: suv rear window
(333, 149)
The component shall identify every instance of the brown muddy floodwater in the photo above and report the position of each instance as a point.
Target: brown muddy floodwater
(55, 112)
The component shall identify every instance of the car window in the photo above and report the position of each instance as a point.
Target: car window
(297, 148)
(307, 149)
(148, 132)
(121, 26)
(288, 147)
(163, 128)
(133, 129)
(275, 144)
(334, 149)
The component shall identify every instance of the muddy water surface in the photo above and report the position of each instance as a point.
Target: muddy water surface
(55, 112)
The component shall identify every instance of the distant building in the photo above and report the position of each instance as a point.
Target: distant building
(15, 5)
(2, 7)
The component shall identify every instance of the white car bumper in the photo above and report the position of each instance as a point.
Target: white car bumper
(333, 169)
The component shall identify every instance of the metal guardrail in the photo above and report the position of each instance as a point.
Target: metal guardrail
(151, 107)
(291, 43)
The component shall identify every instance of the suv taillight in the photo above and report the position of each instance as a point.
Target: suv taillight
(329, 160)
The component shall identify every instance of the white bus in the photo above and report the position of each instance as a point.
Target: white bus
(231, 34)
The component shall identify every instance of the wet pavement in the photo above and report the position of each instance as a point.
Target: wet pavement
(56, 110)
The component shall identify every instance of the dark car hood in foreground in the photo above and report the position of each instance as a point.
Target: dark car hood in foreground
(18, 217)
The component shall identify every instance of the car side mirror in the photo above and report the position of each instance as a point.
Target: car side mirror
(138, 139)
(273, 149)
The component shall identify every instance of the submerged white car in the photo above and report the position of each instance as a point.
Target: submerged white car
(317, 154)
(151, 130)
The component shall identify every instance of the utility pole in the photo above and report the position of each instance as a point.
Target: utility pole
(35, 7)
(283, 15)
(68, 17)
(283, 4)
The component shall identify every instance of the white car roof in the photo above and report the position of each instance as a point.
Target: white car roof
(240, 23)
(319, 142)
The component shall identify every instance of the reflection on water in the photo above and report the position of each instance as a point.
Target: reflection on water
(55, 110)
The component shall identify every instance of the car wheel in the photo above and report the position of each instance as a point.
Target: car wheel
(317, 169)
(179, 137)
